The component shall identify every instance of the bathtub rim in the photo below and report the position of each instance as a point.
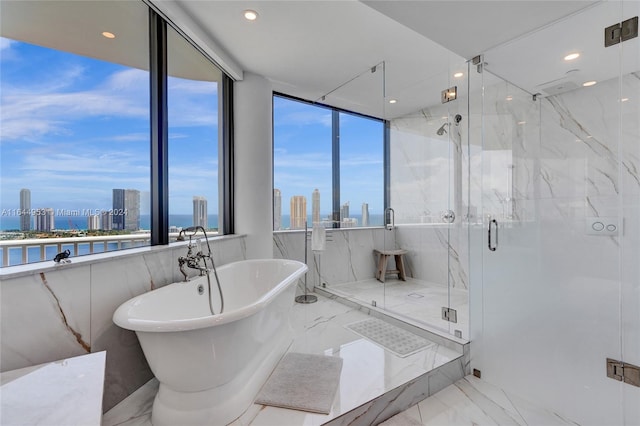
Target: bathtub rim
(122, 318)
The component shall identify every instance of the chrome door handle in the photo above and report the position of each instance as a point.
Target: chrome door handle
(495, 247)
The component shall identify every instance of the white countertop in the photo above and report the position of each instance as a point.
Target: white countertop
(66, 392)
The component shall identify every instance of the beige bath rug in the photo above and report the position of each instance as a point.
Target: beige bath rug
(304, 382)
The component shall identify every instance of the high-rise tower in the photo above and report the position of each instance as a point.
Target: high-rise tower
(365, 214)
(126, 209)
(277, 209)
(298, 211)
(315, 206)
(45, 220)
(200, 217)
(25, 209)
(344, 211)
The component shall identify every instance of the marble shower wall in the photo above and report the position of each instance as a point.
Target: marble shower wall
(56, 312)
(348, 256)
(547, 166)
(430, 175)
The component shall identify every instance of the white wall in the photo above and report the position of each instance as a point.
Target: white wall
(254, 164)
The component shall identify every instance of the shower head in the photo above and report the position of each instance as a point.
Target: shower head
(441, 131)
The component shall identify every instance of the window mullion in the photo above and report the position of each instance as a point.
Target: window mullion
(335, 165)
(159, 139)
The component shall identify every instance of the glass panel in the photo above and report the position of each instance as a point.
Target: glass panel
(75, 127)
(429, 166)
(301, 163)
(361, 171)
(193, 110)
(553, 168)
(630, 190)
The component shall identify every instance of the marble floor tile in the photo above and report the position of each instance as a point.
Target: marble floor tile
(473, 401)
(369, 370)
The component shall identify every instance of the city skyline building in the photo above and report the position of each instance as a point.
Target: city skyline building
(200, 212)
(277, 209)
(126, 209)
(45, 220)
(315, 206)
(25, 209)
(93, 222)
(298, 211)
(365, 214)
(106, 221)
(344, 211)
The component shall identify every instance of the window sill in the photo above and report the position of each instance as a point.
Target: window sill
(16, 271)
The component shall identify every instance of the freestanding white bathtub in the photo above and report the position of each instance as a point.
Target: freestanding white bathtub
(211, 367)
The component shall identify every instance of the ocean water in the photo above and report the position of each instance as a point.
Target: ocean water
(80, 223)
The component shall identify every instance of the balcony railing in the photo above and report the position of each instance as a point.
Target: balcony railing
(22, 251)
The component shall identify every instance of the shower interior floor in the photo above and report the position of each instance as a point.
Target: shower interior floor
(418, 301)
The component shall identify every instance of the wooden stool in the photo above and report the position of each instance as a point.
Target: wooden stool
(383, 256)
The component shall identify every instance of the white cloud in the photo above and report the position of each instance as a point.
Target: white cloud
(5, 44)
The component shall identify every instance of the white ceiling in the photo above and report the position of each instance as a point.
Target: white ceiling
(316, 48)
(310, 48)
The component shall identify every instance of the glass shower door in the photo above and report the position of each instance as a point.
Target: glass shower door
(560, 231)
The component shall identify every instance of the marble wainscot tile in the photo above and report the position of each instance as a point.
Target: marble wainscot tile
(291, 245)
(45, 317)
(135, 410)
(229, 249)
(127, 368)
(65, 392)
(161, 268)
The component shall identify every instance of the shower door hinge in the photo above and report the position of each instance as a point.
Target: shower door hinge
(449, 314)
(623, 372)
(623, 31)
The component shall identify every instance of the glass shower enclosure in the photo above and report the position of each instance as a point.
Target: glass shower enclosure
(556, 287)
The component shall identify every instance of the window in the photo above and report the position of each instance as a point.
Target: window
(361, 171)
(76, 141)
(193, 84)
(308, 187)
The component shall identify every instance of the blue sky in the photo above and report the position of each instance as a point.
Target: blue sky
(302, 156)
(73, 128)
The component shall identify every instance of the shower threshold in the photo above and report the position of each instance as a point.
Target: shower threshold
(413, 304)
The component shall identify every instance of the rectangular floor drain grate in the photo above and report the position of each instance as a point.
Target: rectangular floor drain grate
(401, 342)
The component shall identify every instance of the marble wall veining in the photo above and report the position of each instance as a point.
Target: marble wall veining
(429, 176)
(348, 256)
(548, 165)
(50, 313)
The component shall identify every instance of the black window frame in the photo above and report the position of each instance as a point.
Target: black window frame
(159, 202)
(335, 152)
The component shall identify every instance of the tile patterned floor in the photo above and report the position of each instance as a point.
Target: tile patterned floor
(320, 328)
(471, 401)
(368, 372)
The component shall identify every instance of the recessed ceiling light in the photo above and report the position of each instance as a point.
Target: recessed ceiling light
(522, 122)
(107, 34)
(458, 75)
(589, 83)
(392, 101)
(250, 15)
(571, 56)
(509, 98)
(624, 99)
